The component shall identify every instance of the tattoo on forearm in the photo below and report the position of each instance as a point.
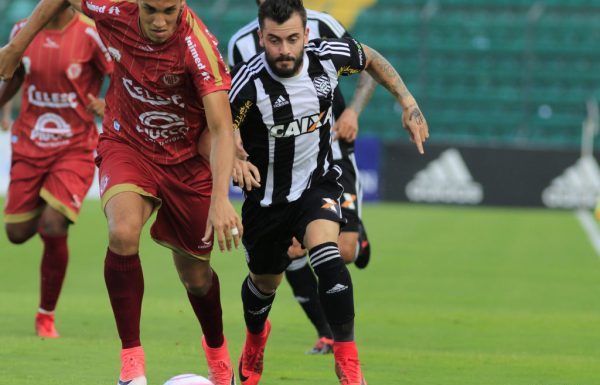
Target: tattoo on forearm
(387, 76)
(364, 90)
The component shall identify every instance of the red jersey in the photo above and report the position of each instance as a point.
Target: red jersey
(61, 68)
(154, 103)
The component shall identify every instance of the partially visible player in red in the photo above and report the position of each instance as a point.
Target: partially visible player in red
(169, 85)
(53, 142)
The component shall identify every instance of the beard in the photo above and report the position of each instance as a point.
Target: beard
(285, 72)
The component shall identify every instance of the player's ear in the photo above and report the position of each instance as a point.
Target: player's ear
(306, 34)
(260, 38)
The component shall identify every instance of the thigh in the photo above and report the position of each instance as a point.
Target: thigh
(123, 169)
(267, 237)
(181, 220)
(23, 203)
(68, 182)
(319, 203)
(351, 199)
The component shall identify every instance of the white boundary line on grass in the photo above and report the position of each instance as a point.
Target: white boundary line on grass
(588, 222)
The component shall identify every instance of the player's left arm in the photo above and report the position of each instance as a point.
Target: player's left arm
(346, 125)
(222, 216)
(6, 120)
(386, 75)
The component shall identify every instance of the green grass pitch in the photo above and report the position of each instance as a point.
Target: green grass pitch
(453, 296)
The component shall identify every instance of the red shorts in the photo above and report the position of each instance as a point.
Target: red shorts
(61, 181)
(181, 194)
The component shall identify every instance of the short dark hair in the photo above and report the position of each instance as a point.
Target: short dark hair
(280, 11)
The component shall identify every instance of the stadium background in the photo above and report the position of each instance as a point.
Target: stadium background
(476, 296)
(503, 83)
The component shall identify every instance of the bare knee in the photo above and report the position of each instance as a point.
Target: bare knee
(347, 244)
(198, 284)
(19, 233)
(53, 223)
(267, 283)
(124, 237)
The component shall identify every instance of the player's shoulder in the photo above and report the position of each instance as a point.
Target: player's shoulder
(328, 20)
(247, 29)
(244, 75)
(85, 22)
(327, 47)
(194, 28)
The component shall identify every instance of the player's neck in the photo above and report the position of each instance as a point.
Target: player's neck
(61, 20)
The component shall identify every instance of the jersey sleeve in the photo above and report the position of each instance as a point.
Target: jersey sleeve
(347, 55)
(203, 60)
(242, 96)
(99, 10)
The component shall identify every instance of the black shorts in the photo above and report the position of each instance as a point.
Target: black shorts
(351, 199)
(268, 231)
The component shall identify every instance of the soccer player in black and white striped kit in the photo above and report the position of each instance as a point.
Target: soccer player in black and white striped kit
(282, 103)
(353, 242)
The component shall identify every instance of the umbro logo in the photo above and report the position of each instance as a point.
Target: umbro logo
(337, 288)
(577, 187)
(280, 102)
(446, 180)
(124, 382)
(49, 43)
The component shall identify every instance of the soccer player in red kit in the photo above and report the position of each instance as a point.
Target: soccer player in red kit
(169, 85)
(53, 140)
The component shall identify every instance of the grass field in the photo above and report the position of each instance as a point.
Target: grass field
(452, 297)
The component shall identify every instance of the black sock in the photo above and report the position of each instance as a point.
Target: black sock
(256, 306)
(335, 290)
(306, 290)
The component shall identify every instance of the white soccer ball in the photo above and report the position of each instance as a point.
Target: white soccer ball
(188, 379)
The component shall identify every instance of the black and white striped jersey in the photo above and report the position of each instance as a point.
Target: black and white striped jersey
(244, 44)
(285, 123)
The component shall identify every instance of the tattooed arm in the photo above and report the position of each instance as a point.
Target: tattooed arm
(412, 117)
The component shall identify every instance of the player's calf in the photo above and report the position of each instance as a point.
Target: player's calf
(335, 289)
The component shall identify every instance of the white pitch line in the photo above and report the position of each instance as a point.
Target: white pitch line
(588, 222)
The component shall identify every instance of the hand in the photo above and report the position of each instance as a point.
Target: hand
(96, 105)
(246, 175)
(240, 152)
(296, 250)
(346, 126)
(10, 59)
(5, 124)
(223, 220)
(414, 122)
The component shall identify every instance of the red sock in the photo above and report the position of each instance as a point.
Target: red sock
(52, 270)
(209, 313)
(125, 283)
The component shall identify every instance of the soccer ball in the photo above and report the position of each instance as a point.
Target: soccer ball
(188, 379)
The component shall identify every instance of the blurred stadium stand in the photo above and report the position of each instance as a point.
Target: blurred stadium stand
(494, 72)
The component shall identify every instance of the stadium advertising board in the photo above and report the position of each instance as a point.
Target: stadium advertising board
(489, 176)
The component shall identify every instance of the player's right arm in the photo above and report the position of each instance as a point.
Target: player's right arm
(11, 53)
(6, 120)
